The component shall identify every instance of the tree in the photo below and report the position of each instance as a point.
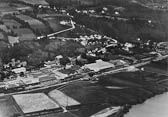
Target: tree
(64, 61)
(37, 58)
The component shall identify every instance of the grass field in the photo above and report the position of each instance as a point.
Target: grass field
(12, 24)
(25, 34)
(34, 102)
(7, 107)
(5, 7)
(35, 2)
(55, 24)
(34, 23)
(2, 36)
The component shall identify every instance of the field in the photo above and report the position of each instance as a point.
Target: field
(12, 24)
(131, 29)
(4, 7)
(33, 102)
(55, 24)
(75, 2)
(25, 34)
(35, 2)
(7, 107)
(117, 89)
(62, 99)
(34, 23)
(4, 28)
(2, 36)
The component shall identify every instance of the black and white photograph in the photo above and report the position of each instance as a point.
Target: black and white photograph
(83, 58)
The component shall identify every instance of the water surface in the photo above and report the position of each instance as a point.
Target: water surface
(154, 107)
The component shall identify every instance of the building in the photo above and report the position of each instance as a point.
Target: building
(19, 70)
(99, 65)
(57, 59)
(119, 62)
(59, 75)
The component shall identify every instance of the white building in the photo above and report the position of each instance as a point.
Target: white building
(99, 65)
(19, 70)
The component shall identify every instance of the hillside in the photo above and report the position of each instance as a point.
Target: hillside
(137, 17)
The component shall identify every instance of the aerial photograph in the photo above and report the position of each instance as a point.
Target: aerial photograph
(83, 58)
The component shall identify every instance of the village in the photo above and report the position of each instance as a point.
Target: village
(100, 53)
(51, 60)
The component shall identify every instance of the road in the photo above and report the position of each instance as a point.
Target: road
(55, 33)
(42, 88)
(63, 84)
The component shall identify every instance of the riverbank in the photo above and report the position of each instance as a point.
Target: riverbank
(157, 105)
(154, 107)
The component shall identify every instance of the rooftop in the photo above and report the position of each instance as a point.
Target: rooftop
(99, 65)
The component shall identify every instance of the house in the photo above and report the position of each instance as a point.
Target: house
(92, 11)
(105, 8)
(84, 42)
(117, 13)
(49, 63)
(59, 75)
(118, 62)
(19, 70)
(57, 59)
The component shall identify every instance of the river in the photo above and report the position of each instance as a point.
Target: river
(154, 107)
